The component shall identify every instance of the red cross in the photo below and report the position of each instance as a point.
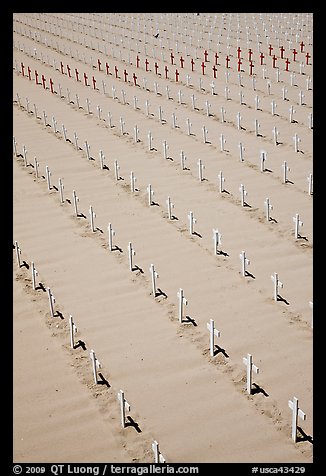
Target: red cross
(262, 56)
(214, 71)
(76, 73)
(51, 85)
(301, 46)
(146, 64)
(250, 54)
(43, 81)
(135, 79)
(287, 62)
(116, 71)
(156, 67)
(137, 61)
(166, 72)
(23, 67)
(181, 61)
(29, 73)
(274, 61)
(99, 64)
(270, 50)
(61, 67)
(107, 67)
(239, 51)
(282, 49)
(125, 75)
(85, 79)
(36, 76)
(68, 69)
(294, 53)
(172, 58)
(307, 57)
(192, 64)
(227, 59)
(239, 64)
(176, 75)
(94, 82)
(251, 66)
(205, 54)
(203, 66)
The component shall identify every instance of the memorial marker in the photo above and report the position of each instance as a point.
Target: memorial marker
(18, 253)
(250, 368)
(286, 169)
(154, 275)
(116, 170)
(111, 233)
(310, 184)
(124, 405)
(92, 215)
(297, 224)
(131, 254)
(221, 181)
(150, 194)
(182, 302)
(95, 364)
(36, 166)
(268, 208)
(277, 285)
(263, 157)
(212, 333)
(244, 263)
(25, 155)
(204, 134)
(48, 177)
(150, 138)
(170, 205)
(192, 221)
(73, 329)
(296, 412)
(61, 187)
(165, 149)
(51, 301)
(243, 194)
(75, 200)
(296, 141)
(201, 167)
(158, 457)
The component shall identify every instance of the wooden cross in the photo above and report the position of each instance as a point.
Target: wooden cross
(296, 412)
(277, 285)
(213, 332)
(73, 330)
(95, 364)
(182, 301)
(158, 457)
(250, 367)
(124, 405)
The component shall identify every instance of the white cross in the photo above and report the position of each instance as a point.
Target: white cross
(192, 220)
(250, 367)
(131, 253)
(111, 234)
(243, 194)
(296, 141)
(73, 330)
(268, 207)
(285, 170)
(87, 150)
(92, 215)
(241, 149)
(154, 275)
(124, 405)
(51, 301)
(277, 285)
(149, 135)
(222, 142)
(158, 457)
(263, 155)
(182, 301)
(296, 412)
(116, 170)
(217, 237)
(213, 332)
(170, 206)
(75, 199)
(311, 305)
(310, 184)
(201, 166)
(297, 223)
(204, 134)
(34, 274)
(165, 149)
(244, 262)
(18, 253)
(221, 181)
(95, 364)
(150, 194)
(61, 187)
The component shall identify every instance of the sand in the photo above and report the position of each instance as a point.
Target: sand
(195, 405)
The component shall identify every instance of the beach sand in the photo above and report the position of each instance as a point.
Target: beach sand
(195, 405)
